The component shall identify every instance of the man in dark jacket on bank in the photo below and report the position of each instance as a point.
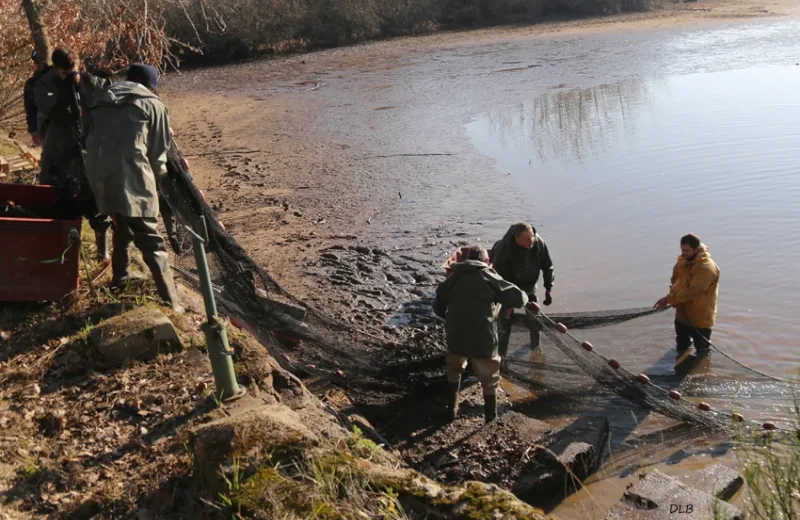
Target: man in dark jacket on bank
(470, 300)
(519, 258)
(28, 99)
(63, 95)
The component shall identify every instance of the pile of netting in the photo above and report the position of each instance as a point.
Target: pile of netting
(256, 301)
(332, 349)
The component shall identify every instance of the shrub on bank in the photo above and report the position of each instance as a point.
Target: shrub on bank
(235, 29)
(109, 33)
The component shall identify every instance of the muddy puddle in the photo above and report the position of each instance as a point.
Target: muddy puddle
(360, 170)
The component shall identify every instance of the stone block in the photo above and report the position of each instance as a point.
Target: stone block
(720, 481)
(138, 334)
(574, 455)
(262, 433)
(657, 496)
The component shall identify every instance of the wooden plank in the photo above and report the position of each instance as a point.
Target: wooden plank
(32, 154)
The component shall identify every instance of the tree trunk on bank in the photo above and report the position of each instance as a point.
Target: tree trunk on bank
(38, 31)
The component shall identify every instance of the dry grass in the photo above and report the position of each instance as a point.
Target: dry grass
(772, 473)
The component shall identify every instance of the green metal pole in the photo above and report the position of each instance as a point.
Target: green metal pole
(215, 331)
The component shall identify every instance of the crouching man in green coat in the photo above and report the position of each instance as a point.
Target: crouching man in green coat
(126, 156)
(470, 301)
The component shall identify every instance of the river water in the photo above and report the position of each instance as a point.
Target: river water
(613, 143)
(616, 173)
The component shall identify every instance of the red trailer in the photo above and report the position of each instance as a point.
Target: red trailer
(39, 257)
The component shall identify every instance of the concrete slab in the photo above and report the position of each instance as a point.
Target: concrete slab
(720, 481)
(657, 496)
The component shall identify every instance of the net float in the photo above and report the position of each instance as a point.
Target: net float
(769, 426)
(738, 417)
(185, 164)
(614, 363)
(674, 394)
(202, 193)
(587, 346)
(643, 379)
(221, 224)
(236, 324)
(533, 306)
(560, 327)
(705, 407)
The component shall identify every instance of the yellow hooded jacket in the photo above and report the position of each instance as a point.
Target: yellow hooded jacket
(694, 290)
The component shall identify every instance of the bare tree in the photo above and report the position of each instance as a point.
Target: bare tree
(38, 30)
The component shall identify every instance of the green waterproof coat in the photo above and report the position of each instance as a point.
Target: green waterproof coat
(58, 124)
(470, 301)
(126, 150)
(522, 266)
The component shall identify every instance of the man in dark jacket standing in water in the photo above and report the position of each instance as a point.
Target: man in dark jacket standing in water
(519, 258)
(470, 301)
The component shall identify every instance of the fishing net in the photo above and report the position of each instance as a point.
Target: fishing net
(620, 381)
(297, 336)
(315, 343)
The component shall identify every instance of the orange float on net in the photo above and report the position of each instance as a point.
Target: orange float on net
(534, 307)
(738, 417)
(560, 327)
(674, 394)
(769, 426)
(705, 407)
(643, 379)
(614, 363)
(587, 346)
(221, 224)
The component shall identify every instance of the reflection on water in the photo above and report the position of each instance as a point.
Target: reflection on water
(571, 124)
(617, 173)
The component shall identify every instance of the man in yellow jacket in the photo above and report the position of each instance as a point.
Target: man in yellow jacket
(693, 293)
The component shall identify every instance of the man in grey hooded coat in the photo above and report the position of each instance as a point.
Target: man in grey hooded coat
(126, 156)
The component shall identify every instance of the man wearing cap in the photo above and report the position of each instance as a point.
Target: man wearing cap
(30, 104)
(62, 96)
(126, 156)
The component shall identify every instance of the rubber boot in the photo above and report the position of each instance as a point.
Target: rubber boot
(162, 276)
(535, 338)
(452, 399)
(490, 407)
(101, 241)
(504, 335)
